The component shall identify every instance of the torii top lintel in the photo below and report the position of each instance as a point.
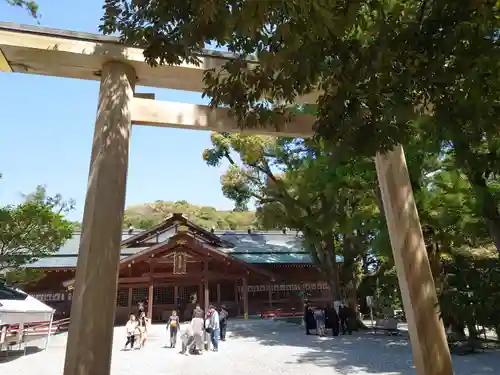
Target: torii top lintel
(62, 53)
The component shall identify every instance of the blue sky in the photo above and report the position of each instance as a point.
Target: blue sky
(47, 125)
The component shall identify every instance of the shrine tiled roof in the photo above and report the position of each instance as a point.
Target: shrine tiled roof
(266, 247)
(272, 247)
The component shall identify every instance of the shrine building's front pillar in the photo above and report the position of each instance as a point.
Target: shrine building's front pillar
(431, 355)
(244, 291)
(90, 336)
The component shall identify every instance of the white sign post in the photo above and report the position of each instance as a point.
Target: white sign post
(369, 302)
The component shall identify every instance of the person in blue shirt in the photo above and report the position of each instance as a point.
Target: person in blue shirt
(214, 326)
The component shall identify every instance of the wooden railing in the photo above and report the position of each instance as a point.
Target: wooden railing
(40, 328)
(279, 313)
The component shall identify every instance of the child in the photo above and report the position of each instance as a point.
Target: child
(130, 331)
(173, 326)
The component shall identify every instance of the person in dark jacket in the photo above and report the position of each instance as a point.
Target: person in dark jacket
(309, 321)
(345, 327)
(223, 316)
(332, 320)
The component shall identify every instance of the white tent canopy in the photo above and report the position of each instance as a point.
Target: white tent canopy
(27, 310)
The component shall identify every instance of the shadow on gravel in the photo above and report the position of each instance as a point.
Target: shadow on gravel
(11, 355)
(365, 351)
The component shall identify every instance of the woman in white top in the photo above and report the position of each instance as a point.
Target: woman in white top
(130, 329)
(143, 329)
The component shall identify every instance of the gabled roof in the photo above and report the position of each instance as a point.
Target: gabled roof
(199, 245)
(273, 247)
(170, 227)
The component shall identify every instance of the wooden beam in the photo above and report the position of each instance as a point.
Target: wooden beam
(144, 95)
(193, 276)
(4, 64)
(133, 280)
(431, 355)
(202, 117)
(63, 53)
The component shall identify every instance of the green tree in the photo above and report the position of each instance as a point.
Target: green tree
(380, 65)
(145, 216)
(33, 229)
(298, 184)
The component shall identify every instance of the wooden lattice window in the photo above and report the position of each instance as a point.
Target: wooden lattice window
(139, 295)
(185, 293)
(122, 297)
(163, 295)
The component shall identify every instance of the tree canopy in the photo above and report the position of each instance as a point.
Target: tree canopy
(379, 65)
(145, 216)
(33, 229)
(386, 71)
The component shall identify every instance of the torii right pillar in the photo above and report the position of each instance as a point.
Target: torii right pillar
(431, 355)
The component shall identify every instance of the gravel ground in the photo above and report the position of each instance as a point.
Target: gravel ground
(257, 347)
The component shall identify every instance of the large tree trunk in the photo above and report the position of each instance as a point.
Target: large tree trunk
(351, 281)
(323, 253)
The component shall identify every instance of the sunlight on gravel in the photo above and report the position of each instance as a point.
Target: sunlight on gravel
(257, 347)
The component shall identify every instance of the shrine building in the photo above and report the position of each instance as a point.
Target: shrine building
(177, 263)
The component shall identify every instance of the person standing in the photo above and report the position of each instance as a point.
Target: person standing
(214, 325)
(130, 328)
(140, 307)
(308, 318)
(343, 317)
(319, 316)
(173, 326)
(333, 320)
(198, 324)
(223, 316)
(143, 329)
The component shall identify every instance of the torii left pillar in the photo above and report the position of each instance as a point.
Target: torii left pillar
(90, 336)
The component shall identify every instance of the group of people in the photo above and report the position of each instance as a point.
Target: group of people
(340, 320)
(212, 323)
(136, 330)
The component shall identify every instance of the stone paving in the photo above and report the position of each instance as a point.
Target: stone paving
(257, 347)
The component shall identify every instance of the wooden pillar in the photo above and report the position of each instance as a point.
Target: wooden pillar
(90, 336)
(431, 355)
(176, 298)
(236, 298)
(218, 295)
(244, 291)
(206, 289)
(270, 295)
(129, 306)
(151, 288)
(200, 294)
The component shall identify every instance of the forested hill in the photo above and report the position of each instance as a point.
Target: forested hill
(146, 215)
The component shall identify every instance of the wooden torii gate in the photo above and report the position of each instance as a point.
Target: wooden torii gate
(43, 51)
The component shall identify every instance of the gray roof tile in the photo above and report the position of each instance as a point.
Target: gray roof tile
(258, 247)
